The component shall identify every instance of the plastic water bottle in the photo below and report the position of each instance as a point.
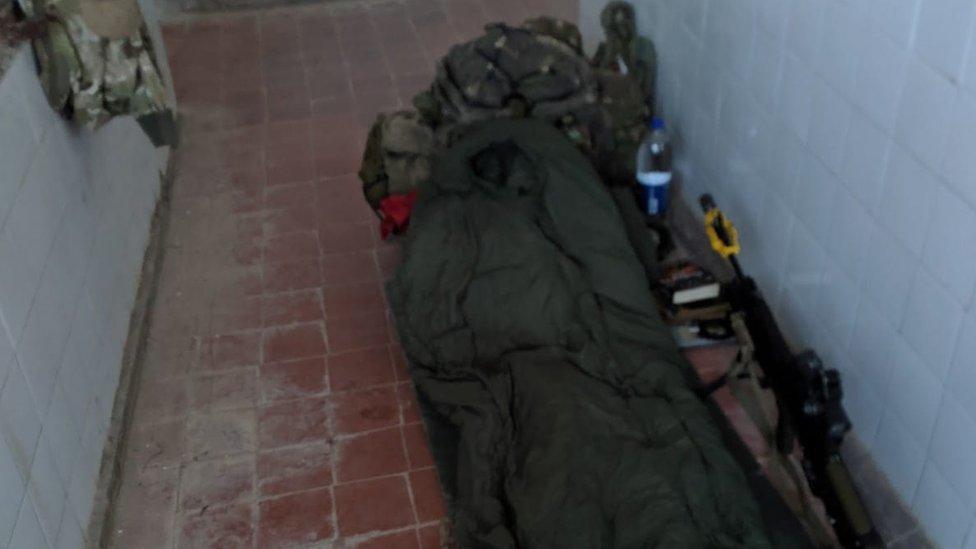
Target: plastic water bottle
(654, 169)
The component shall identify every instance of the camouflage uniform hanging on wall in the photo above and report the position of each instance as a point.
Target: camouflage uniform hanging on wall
(624, 51)
(96, 60)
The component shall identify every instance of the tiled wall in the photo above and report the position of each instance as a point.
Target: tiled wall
(75, 208)
(841, 137)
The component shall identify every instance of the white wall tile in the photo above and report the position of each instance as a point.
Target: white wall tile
(815, 190)
(951, 232)
(70, 188)
(843, 26)
(959, 166)
(896, 18)
(862, 173)
(906, 205)
(17, 146)
(27, 532)
(954, 448)
(12, 493)
(962, 376)
(932, 322)
(71, 536)
(796, 96)
(863, 405)
(783, 163)
(865, 157)
(806, 20)
(889, 269)
(924, 114)
(943, 33)
(767, 66)
(880, 78)
(901, 459)
(47, 492)
(850, 232)
(913, 392)
(773, 16)
(869, 349)
(940, 509)
(775, 230)
(20, 424)
(829, 123)
(838, 305)
(805, 267)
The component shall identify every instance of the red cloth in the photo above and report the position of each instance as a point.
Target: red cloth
(396, 210)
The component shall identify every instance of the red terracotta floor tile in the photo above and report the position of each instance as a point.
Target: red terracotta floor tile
(293, 342)
(337, 238)
(207, 483)
(351, 299)
(294, 379)
(365, 410)
(291, 219)
(291, 195)
(228, 351)
(219, 528)
(373, 454)
(291, 247)
(373, 505)
(145, 511)
(400, 363)
(296, 520)
(220, 435)
(358, 331)
(349, 268)
(294, 469)
(427, 495)
(407, 401)
(292, 275)
(155, 445)
(361, 369)
(226, 390)
(162, 401)
(290, 308)
(238, 314)
(433, 536)
(406, 539)
(418, 446)
(293, 422)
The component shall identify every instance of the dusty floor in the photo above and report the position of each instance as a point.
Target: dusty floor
(274, 408)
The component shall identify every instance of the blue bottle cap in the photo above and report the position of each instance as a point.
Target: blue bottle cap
(657, 123)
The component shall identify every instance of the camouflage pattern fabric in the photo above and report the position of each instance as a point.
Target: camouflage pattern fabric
(510, 73)
(623, 102)
(624, 51)
(96, 60)
(563, 31)
(399, 156)
(535, 71)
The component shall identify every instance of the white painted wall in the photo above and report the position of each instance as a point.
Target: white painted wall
(75, 209)
(841, 137)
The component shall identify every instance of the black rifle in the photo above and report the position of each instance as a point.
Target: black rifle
(808, 396)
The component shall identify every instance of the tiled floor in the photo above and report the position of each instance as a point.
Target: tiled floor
(274, 408)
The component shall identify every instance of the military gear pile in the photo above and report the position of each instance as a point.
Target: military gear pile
(398, 158)
(96, 60)
(529, 324)
(535, 71)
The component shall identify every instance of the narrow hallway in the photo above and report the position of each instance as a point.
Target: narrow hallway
(274, 408)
